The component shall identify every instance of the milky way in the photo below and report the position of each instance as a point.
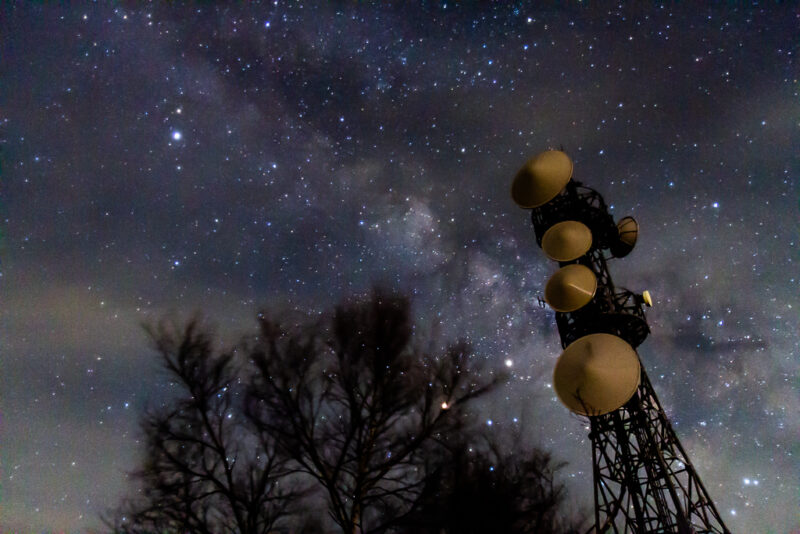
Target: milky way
(167, 159)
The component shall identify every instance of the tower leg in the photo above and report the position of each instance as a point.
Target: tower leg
(643, 480)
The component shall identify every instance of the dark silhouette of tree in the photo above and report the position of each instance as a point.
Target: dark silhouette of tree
(359, 409)
(472, 490)
(344, 414)
(206, 469)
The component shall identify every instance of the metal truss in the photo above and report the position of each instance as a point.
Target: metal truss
(643, 479)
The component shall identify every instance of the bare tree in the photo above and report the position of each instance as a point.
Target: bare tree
(206, 468)
(358, 409)
(346, 410)
(474, 487)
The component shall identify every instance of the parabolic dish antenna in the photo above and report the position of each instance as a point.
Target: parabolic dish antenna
(628, 230)
(567, 240)
(541, 179)
(571, 288)
(596, 374)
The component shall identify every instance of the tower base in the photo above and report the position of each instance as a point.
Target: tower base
(643, 480)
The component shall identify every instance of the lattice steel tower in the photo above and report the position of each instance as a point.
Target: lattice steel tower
(643, 479)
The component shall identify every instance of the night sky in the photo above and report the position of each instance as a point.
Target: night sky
(167, 159)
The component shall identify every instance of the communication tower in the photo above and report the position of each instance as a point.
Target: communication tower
(643, 479)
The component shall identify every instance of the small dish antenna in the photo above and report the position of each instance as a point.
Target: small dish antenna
(628, 230)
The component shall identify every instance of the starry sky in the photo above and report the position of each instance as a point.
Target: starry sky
(165, 159)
